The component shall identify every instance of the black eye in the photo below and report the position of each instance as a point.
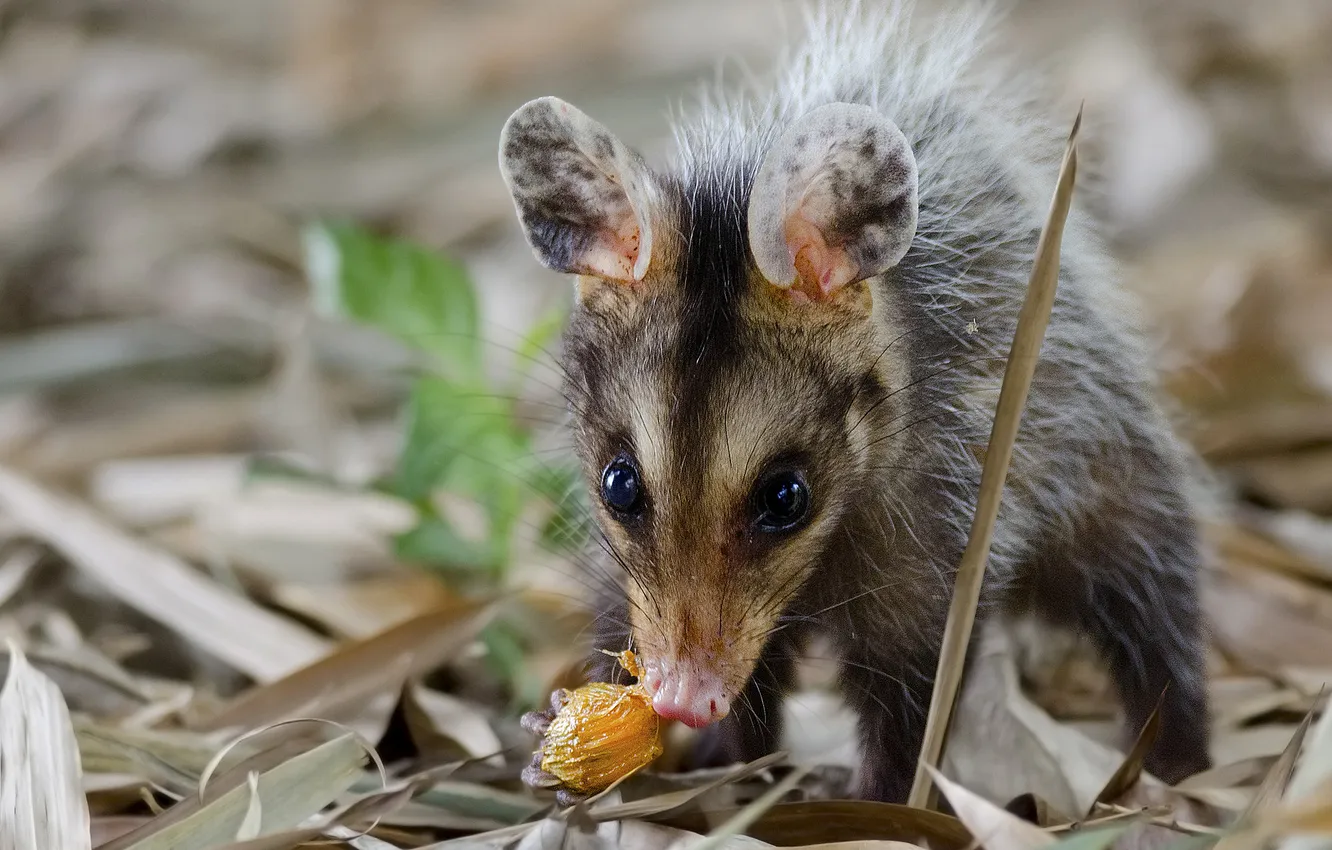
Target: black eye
(782, 501)
(620, 488)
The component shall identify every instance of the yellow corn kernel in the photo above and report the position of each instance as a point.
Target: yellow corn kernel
(602, 733)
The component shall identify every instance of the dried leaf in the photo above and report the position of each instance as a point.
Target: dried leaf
(478, 803)
(232, 628)
(1127, 774)
(1310, 785)
(1274, 784)
(41, 793)
(287, 840)
(254, 813)
(1091, 839)
(1267, 619)
(992, 826)
(743, 819)
(1229, 775)
(663, 803)
(365, 607)
(359, 669)
(1002, 741)
(838, 821)
(290, 792)
(442, 723)
(16, 569)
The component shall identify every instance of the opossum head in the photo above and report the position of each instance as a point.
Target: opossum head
(729, 363)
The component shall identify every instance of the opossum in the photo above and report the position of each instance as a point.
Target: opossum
(782, 363)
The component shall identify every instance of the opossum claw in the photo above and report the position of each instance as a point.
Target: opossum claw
(566, 798)
(535, 777)
(537, 722)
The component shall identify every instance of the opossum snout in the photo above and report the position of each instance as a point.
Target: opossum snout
(686, 691)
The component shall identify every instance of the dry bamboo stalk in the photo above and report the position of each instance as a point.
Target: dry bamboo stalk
(1022, 358)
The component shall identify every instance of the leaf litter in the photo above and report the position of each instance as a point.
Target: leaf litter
(164, 596)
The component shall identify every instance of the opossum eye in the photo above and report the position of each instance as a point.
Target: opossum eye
(782, 501)
(621, 489)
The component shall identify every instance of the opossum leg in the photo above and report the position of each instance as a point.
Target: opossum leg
(887, 683)
(1129, 582)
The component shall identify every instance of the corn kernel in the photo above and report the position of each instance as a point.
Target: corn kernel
(602, 733)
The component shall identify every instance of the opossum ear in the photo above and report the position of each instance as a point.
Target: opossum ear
(834, 201)
(581, 195)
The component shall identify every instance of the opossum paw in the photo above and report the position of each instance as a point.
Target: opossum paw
(538, 722)
(541, 780)
(533, 776)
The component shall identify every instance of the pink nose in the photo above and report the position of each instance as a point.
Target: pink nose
(685, 692)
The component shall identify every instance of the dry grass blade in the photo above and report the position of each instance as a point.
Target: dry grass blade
(1032, 321)
(1310, 788)
(1130, 771)
(742, 820)
(1273, 786)
(992, 826)
(41, 795)
(291, 792)
(358, 670)
(262, 645)
(663, 803)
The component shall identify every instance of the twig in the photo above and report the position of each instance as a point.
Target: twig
(1027, 339)
(1149, 815)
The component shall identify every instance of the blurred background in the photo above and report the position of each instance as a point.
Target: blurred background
(219, 456)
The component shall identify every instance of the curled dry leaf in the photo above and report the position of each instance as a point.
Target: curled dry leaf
(254, 812)
(442, 723)
(42, 804)
(1001, 741)
(290, 792)
(991, 825)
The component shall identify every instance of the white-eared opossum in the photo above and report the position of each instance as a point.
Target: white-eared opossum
(783, 362)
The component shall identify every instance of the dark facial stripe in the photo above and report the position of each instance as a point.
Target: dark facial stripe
(713, 283)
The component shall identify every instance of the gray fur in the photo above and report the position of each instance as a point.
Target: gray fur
(848, 172)
(1097, 532)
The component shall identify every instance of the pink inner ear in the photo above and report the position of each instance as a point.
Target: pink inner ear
(822, 268)
(614, 254)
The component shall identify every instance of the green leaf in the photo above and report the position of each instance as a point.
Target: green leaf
(416, 295)
(540, 335)
(505, 651)
(433, 542)
(445, 425)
